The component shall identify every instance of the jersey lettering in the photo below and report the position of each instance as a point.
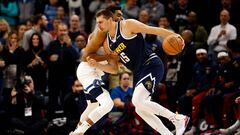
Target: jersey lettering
(120, 48)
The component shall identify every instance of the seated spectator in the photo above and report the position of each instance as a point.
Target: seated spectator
(74, 104)
(121, 95)
(220, 34)
(203, 74)
(26, 109)
(236, 126)
(80, 43)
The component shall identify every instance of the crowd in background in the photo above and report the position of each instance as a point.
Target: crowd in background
(41, 43)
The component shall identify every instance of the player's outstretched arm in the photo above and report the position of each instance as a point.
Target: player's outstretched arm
(135, 26)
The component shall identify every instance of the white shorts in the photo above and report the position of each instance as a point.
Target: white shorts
(87, 75)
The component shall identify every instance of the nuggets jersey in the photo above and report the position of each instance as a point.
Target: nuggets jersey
(132, 51)
(146, 66)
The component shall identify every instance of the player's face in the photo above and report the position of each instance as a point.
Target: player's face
(102, 23)
(118, 15)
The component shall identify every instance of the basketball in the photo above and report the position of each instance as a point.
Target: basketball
(173, 44)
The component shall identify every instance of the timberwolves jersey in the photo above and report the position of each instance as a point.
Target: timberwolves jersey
(132, 51)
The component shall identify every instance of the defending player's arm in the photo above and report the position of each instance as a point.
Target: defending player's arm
(111, 67)
(95, 42)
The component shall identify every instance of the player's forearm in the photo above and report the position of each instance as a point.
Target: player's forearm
(99, 57)
(112, 69)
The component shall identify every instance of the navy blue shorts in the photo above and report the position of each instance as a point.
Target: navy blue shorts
(150, 74)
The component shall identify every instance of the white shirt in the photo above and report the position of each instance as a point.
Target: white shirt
(231, 33)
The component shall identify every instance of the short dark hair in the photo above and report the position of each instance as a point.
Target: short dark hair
(105, 13)
(113, 8)
(36, 18)
(122, 73)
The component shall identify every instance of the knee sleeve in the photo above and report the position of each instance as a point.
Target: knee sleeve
(90, 108)
(139, 96)
(141, 100)
(106, 105)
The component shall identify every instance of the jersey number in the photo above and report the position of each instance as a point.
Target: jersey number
(124, 57)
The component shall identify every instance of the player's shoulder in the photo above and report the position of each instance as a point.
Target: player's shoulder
(129, 21)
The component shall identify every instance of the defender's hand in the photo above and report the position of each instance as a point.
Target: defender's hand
(92, 62)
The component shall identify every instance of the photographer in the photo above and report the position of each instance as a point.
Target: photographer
(26, 109)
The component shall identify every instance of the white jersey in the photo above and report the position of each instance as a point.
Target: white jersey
(87, 74)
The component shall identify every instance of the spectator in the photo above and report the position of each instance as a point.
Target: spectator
(95, 5)
(130, 9)
(9, 11)
(74, 29)
(233, 47)
(80, 44)
(61, 61)
(35, 63)
(61, 13)
(4, 31)
(76, 8)
(200, 34)
(22, 28)
(179, 14)
(144, 18)
(74, 104)
(29, 23)
(26, 109)
(216, 102)
(12, 56)
(55, 22)
(26, 10)
(164, 22)
(186, 61)
(155, 10)
(220, 34)
(203, 74)
(233, 128)
(39, 24)
(121, 95)
(51, 11)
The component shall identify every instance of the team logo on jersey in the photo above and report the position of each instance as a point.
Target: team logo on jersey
(148, 85)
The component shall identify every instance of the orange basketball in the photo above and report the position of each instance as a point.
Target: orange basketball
(173, 44)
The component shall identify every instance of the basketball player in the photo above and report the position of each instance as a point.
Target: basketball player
(125, 39)
(98, 99)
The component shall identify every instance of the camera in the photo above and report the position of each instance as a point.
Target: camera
(22, 81)
(27, 80)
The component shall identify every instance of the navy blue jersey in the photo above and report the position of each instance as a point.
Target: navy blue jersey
(132, 51)
(137, 56)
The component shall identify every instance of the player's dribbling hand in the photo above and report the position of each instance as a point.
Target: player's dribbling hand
(181, 39)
